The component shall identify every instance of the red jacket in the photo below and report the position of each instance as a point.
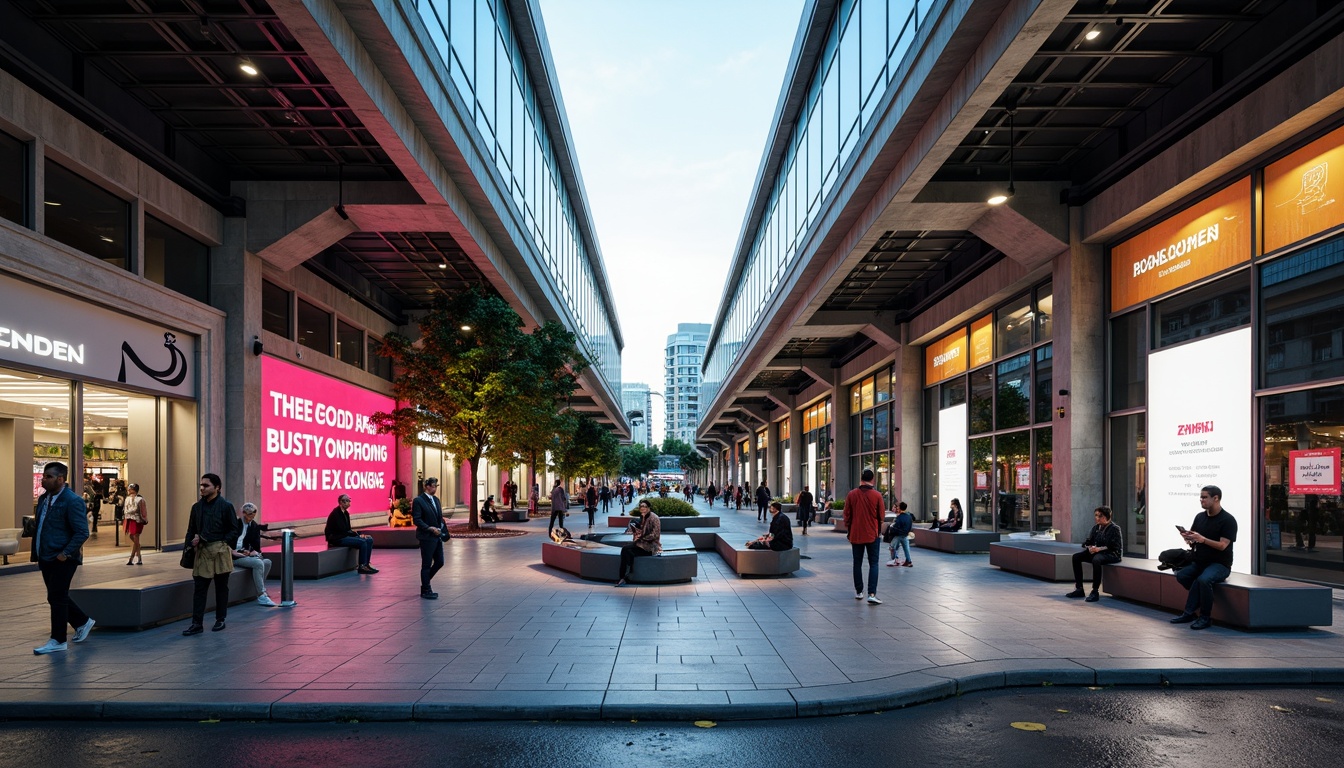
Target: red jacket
(863, 514)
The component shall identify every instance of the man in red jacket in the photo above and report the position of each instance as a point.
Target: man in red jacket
(863, 517)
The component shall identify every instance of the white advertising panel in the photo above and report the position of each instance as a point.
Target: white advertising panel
(1199, 433)
(953, 455)
(48, 329)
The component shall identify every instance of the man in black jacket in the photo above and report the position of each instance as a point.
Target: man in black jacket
(1104, 544)
(806, 508)
(428, 516)
(780, 537)
(762, 501)
(340, 533)
(211, 532)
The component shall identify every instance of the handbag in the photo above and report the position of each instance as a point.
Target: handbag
(29, 526)
(189, 552)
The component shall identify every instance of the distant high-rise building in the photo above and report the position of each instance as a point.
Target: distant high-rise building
(685, 352)
(635, 398)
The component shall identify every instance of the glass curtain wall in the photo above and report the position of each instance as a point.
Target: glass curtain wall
(817, 444)
(870, 431)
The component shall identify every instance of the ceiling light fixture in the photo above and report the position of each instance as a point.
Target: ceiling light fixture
(443, 266)
(53, 204)
(1093, 34)
(249, 68)
(999, 198)
(466, 328)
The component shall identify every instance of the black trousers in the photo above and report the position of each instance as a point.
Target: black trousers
(762, 510)
(628, 554)
(592, 513)
(431, 561)
(202, 586)
(557, 515)
(1097, 560)
(57, 575)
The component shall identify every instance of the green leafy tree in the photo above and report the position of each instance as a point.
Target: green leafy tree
(691, 460)
(477, 385)
(587, 449)
(638, 459)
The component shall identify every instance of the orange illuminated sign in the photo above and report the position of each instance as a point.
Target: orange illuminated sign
(982, 341)
(1202, 240)
(945, 357)
(1303, 191)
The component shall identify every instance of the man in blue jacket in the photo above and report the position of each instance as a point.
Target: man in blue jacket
(62, 529)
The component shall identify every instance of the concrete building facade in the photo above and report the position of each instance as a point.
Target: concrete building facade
(683, 355)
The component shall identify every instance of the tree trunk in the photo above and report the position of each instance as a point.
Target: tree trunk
(473, 503)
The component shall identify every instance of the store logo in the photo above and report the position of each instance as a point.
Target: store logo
(1177, 249)
(42, 346)
(946, 357)
(174, 374)
(1312, 195)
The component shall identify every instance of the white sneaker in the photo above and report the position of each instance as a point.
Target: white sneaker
(82, 633)
(892, 563)
(51, 646)
(266, 600)
(858, 595)
(872, 600)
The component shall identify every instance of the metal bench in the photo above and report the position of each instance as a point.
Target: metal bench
(147, 601)
(600, 562)
(757, 562)
(956, 542)
(313, 560)
(1253, 602)
(1043, 559)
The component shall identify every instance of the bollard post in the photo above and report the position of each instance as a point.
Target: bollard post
(287, 561)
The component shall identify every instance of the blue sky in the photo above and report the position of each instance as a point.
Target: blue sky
(669, 104)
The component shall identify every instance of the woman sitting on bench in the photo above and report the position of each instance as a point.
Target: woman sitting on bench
(953, 521)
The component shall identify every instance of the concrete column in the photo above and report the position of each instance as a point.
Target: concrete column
(797, 451)
(16, 458)
(236, 289)
(752, 475)
(908, 375)
(37, 181)
(1079, 359)
(841, 482)
(772, 457)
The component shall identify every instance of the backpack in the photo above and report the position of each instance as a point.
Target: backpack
(1175, 559)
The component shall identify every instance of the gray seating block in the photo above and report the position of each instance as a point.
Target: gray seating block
(599, 562)
(387, 537)
(704, 539)
(147, 601)
(1254, 602)
(757, 562)
(1048, 560)
(671, 543)
(955, 542)
(668, 524)
(312, 562)
(517, 515)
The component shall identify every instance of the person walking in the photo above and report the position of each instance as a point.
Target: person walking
(136, 517)
(61, 529)
(590, 502)
(806, 508)
(863, 517)
(605, 496)
(762, 502)
(214, 524)
(428, 516)
(559, 505)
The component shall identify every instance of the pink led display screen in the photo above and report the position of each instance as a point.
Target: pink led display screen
(317, 442)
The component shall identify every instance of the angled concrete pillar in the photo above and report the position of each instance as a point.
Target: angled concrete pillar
(797, 449)
(908, 376)
(772, 456)
(841, 482)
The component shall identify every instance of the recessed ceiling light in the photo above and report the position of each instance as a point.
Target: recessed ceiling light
(1093, 34)
(998, 199)
(248, 68)
(105, 239)
(53, 204)
(466, 327)
(443, 266)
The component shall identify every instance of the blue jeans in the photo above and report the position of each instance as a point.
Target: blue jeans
(1199, 579)
(903, 542)
(365, 547)
(874, 551)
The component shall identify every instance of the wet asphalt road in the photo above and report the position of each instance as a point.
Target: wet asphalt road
(1227, 728)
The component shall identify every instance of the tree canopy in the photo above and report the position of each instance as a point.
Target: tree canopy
(638, 459)
(477, 385)
(587, 449)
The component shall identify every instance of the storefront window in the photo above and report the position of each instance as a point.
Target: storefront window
(1012, 407)
(982, 400)
(313, 327)
(1013, 327)
(1045, 309)
(1129, 361)
(378, 365)
(1043, 477)
(930, 509)
(1013, 462)
(86, 217)
(882, 390)
(980, 513)
(1129, 480)
(176, 261)
(13, 179)
(1044, 381)
(1204, 311)
(1303, 530)
(953, 392)
(1303, 316)
(34, 429)
(349, 344)
(275, 310)
(930, 414)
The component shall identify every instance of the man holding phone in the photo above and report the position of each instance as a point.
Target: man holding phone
(1211, 534)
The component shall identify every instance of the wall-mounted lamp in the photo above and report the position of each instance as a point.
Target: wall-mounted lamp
(1063, 393)
(256, 346)
(1060, 411)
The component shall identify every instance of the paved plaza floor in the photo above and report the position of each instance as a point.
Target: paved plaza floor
(511, 638)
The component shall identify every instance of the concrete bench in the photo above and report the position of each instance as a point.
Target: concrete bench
(757, 562)
(838, 520)
(147, 601)
(671, 542)
(387, 537)
(599, 562)
(1043, 559)
(669, 524)
(955, 542)
(515, 515)
(1253, 602)
(313, 560)
(704, 539)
